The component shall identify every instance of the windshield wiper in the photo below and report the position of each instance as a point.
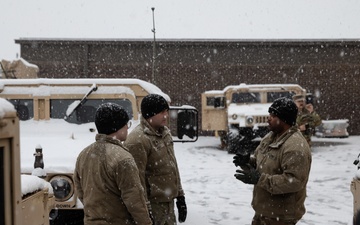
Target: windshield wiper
(83, 100)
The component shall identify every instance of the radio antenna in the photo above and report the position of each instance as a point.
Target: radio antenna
(154, 48)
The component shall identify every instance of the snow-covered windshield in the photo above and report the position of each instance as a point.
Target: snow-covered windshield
(272, 96)
(246, 97)
(255, 97)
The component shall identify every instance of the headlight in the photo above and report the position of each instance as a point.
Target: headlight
(249, 120)
(234, 116)
(63, 188)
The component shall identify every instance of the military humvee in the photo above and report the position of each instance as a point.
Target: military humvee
(22, 201)
(238, 114)
(57, 122)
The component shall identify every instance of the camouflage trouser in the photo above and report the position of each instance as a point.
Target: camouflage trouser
(261, 220)
(223, 138)
(307, 137)
(163, 213)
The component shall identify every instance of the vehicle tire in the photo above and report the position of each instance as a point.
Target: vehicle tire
(263, 131)
(233, 143)
(180, 135)
(239, 141)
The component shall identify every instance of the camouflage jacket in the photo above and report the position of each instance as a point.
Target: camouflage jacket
(310, 120)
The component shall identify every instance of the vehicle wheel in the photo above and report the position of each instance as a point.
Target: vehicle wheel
(180, 135)
(246, 146)
(234, 141)
(238, 142)
(262, 132)
(231, 141)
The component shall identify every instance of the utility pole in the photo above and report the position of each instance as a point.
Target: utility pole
(154, 48)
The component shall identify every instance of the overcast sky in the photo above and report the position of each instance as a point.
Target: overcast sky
(188, 19)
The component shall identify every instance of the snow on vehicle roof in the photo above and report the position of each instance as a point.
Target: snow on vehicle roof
(31, 184)
(26, 62)
(44, 90)
(255, 87)
(335, 121)
(57, 86)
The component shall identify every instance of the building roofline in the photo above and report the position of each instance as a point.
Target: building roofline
(193, 41)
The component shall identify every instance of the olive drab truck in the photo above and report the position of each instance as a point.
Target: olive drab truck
(238, 113)
(57, 123)
(22, 201)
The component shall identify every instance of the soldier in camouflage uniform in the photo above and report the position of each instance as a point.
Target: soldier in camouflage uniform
(307, 118)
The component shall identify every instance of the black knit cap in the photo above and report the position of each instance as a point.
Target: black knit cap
(153, 104)
(110, 117)
(285, 109)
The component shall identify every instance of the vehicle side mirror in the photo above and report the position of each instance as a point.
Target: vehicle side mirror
(184, 123)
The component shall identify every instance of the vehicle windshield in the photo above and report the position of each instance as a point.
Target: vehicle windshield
(272, 96)
(24, 108)
(58, 108)
(246, 97)
(86, 112)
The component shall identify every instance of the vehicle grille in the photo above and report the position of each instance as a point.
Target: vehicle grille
(261, 120)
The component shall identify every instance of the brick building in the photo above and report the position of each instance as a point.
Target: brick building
(186, 68)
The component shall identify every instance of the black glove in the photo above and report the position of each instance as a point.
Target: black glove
(250, 176)
(181, 205)
(241, 159)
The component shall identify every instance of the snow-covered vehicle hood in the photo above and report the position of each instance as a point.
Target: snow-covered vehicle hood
(61, 143)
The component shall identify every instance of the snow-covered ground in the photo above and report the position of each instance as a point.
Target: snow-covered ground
(213, 195)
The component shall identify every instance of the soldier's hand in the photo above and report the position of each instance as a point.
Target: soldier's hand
(241, 159)
(309, 107)
(250, 176)
(302, 127)
(182, 209)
